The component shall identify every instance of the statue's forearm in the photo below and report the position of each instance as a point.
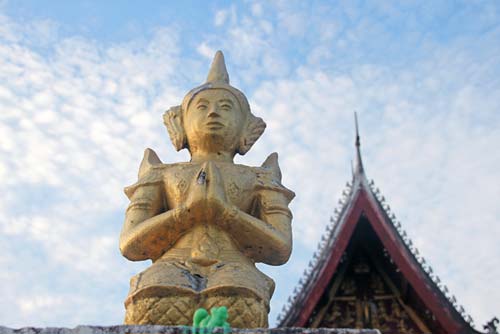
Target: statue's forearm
(150, 238)
(267, 240)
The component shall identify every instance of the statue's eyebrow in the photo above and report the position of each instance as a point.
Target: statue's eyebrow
(226, 100)
(202, 100)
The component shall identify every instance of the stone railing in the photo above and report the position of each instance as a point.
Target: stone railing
(123, 329)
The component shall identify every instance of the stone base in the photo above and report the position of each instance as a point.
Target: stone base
(148, 329)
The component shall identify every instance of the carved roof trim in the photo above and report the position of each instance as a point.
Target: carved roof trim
(358, 197)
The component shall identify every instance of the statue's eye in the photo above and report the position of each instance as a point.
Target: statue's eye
(202, 107)
(225, 106)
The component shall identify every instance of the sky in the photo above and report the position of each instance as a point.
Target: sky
(84, 84)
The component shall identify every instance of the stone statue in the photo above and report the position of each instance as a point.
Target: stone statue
(206, 222)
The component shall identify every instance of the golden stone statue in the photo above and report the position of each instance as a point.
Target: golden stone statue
(206, 222)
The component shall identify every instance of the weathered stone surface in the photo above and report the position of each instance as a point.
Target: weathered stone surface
(150, 329)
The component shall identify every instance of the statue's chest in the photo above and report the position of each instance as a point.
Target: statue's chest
(237, 182)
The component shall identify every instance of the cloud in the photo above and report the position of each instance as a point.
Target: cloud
(206, 51)
(220, 17)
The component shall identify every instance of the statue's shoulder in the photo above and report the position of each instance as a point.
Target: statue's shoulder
(151, 171)
(269, 176)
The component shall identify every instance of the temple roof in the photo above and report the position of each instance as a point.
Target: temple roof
(361, 198)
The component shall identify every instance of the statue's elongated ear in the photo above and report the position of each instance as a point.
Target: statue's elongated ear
(253, 130)
(172, 119)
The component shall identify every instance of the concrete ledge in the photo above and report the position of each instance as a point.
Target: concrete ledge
(146, 329)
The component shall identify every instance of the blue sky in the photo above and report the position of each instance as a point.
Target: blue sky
(84, 84)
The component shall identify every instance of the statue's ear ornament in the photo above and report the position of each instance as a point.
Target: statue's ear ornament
(253, 130)
(172, 119)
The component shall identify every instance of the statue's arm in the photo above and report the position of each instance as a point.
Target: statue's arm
(265, 234)
(148, 230)
(266, 237)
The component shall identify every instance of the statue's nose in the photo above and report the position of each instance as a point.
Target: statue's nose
(213, 112)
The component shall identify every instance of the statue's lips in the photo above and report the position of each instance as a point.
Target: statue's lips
(215, 124)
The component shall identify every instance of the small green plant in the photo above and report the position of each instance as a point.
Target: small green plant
(206, 323)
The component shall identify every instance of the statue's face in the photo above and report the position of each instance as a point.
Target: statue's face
(214, 121)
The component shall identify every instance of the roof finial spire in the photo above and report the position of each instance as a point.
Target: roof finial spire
(358, 163)
(218, 71)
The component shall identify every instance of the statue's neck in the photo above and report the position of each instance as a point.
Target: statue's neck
(212, 156)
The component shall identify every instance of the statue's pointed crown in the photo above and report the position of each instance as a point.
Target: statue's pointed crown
(218, 71)
(217, 78)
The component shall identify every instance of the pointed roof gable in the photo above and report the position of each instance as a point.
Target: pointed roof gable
(361, 199)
